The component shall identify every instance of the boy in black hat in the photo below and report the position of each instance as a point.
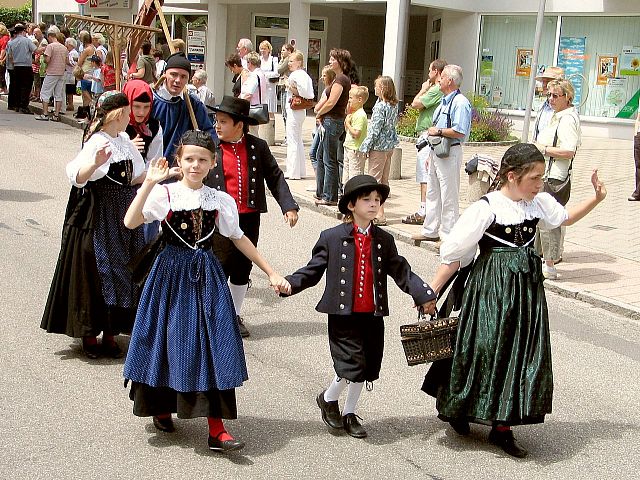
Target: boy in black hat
(244, 164)
(357, 257)
(170, 105)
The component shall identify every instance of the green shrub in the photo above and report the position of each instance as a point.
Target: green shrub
(406, 125)
(11, 16)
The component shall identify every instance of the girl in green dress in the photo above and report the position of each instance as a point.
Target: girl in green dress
(500, 374)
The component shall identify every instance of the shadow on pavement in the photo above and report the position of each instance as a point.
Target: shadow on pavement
(22, 196)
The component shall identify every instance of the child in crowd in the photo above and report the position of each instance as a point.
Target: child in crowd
(95, 76)
(381, 136)
(92, 290)
(108, 73)
(357, 257)
(186, 353)
(356, 131)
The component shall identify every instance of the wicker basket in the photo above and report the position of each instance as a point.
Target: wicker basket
(429, 340)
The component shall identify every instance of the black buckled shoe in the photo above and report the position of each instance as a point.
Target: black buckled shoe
(164, 424)
(112, 350)
(91, 351)
(352, 426)
(461, 427)
(244, 331)
(330, 412)
(507, 442)
(224, 445)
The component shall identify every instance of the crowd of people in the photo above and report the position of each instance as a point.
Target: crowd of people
(163, 220)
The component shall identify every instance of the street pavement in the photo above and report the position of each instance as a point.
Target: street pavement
(68, 417)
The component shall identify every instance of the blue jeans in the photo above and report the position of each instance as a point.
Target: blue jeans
(327, 179)
(315, 154)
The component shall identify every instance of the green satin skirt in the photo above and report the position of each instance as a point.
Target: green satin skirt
(501, 369)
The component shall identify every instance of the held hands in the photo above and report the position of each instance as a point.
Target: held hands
(429, 307)
(598, 186)
(291, 217)
(159, 170)
(138, 142)
(279, 283)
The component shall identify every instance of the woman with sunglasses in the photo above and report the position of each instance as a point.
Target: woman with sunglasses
(558, 142)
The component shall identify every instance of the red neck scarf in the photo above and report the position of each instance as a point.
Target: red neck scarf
(134, 89)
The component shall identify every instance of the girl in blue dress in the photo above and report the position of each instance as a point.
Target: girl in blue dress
(186, 353)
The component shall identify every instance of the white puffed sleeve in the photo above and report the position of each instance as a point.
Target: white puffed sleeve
(157, 205)
(156, 148)
(227, 219)
(462, 242)
(553, 214)
(86, 157)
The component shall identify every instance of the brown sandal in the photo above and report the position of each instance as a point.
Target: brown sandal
(413, 219)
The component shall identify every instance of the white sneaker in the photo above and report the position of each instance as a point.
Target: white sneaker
(549, 272)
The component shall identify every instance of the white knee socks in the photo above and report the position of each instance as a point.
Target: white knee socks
(238, 292)
(353, 394)
(335, 389)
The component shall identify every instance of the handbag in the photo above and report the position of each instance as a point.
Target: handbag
(429, 340)
(558, 189)
(300, 103)
(78, 72)
(260, 112)
(442, 145)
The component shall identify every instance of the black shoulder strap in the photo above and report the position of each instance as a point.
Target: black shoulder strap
(449, 109)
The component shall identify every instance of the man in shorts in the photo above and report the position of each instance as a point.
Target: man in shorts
(55, 56)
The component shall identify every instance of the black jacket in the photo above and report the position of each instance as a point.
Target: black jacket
(335, 251)
(262, 167)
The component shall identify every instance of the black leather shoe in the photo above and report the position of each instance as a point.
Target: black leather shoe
(461, 427)
(164, 424)
(633, 198)
(352, 426)
(91, 351)
(330, 412)
(506, 441)
(244, 331)
(112, 350)
(224, 445)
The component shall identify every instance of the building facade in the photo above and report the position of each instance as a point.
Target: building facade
(597, 41)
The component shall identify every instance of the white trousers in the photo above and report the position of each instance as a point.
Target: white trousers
(443, 193)
(295, 147)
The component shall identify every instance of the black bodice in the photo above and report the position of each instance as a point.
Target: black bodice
(190, 226)
(519, 234)
(120, 173)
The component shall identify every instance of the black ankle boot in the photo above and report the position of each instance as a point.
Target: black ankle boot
(507, 442)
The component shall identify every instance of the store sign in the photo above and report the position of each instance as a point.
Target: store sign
(108, 4)
(196, 46)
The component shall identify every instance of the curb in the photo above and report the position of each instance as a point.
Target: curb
(66, 118)
(599, 301)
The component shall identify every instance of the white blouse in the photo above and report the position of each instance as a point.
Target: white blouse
(461, 244)
(181, 197)
(121, 149)
(302, 81)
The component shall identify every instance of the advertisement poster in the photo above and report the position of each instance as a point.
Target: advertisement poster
(630, 61)
(196, 46)
(615, 93)
(607, 68)
(484, 85)
(523, 61)
(571, 57)
(486, 65)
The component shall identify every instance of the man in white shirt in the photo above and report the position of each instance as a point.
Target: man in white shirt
(198, 85)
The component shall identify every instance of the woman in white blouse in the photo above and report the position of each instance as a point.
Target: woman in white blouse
(500, 374)
(558, 142)
(299, 83)
(269, 66)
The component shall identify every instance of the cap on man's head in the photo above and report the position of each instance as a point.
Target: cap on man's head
(95, 58)
(178, 60)
(551, 73)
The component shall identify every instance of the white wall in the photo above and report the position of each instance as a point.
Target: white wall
(531, 6)
(459, 43)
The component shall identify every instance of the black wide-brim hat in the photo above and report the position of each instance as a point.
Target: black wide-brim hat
(358, 184)
(236, 107)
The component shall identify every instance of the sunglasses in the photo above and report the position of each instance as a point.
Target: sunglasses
(555, 95)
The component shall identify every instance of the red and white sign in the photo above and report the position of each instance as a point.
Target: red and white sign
(82, 2)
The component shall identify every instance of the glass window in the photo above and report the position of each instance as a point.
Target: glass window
(316, 25)
(262, 21)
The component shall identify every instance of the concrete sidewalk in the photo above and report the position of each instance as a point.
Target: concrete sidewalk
(601, 261)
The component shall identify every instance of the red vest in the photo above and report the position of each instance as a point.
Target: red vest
(236, 172)
(363, 299)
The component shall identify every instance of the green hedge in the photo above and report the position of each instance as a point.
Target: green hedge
(11, 16)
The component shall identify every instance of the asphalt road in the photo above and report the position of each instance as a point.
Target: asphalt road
(66, 417)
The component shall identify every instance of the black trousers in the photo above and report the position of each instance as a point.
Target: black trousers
(236, 266)
(12, 97)
(636, 157)
(21, 82)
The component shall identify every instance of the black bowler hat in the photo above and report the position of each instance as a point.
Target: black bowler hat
(236, 107)
(357, 185)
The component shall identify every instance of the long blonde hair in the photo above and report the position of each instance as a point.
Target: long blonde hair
(387, 89)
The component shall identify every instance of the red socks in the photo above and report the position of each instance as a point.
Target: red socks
(217, 430)
(502, 428)
(89, 341)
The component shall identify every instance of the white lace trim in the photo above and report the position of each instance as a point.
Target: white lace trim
(509, 212)
(120, 150)
(183, 198)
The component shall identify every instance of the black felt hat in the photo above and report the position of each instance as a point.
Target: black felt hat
(358, 184)
(178, 60)
(236, 107)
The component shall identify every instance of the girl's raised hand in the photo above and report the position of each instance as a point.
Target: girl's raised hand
(102, 155)
(159, 170)
(598, 186)
(279, 284)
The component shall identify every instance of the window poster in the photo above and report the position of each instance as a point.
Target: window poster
(615, 93)
(607, 68)
(571, 57)
(630, 61)
(523, 61)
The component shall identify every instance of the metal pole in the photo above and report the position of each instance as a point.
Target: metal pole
(534, 69)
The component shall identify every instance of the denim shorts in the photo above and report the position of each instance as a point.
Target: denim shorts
(85, 85)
